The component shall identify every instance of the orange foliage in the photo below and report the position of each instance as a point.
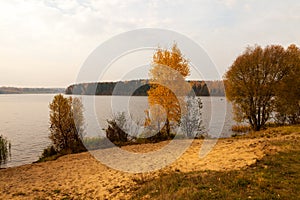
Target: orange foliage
(168, 88)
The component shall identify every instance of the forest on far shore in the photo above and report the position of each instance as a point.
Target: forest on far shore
(140, 88)
(16, 90)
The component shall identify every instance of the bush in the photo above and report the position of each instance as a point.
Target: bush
(48, 152)
(116, 131)
(120, 126)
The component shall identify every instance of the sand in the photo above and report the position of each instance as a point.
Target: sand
(81, 176)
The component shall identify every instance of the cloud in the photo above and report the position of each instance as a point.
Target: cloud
(229, 3)
(59, 35)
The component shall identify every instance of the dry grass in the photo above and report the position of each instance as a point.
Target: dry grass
(276, 176)
(241, 128)
(272, 132)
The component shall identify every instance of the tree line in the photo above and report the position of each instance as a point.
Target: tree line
(15, 90)
(141, 88)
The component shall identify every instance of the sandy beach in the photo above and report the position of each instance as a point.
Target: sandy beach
(81, 176)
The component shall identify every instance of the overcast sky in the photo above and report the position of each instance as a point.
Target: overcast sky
(44, 43)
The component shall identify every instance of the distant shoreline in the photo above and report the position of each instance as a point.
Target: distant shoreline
(17, 90)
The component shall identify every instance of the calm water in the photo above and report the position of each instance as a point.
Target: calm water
(24, 119)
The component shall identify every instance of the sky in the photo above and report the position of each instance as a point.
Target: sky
(44, 43)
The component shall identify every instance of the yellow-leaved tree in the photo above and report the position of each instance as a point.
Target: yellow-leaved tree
(66, 124)
(168, 90)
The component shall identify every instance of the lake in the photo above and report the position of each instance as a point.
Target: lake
(24, 119)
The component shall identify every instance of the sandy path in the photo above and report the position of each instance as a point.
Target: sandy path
(81, 176)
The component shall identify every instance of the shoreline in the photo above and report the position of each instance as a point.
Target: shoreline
(167, 141)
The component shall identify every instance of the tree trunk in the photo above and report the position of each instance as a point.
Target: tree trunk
(168, 127)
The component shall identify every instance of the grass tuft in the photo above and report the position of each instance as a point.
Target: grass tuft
(241, 128)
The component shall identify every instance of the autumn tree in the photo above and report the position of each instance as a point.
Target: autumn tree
(66, 124)
(168, 89)
(288, 91)
(252, 81)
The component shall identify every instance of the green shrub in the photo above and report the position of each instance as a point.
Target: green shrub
(50, 151)
(49, 154)
(5, 148)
